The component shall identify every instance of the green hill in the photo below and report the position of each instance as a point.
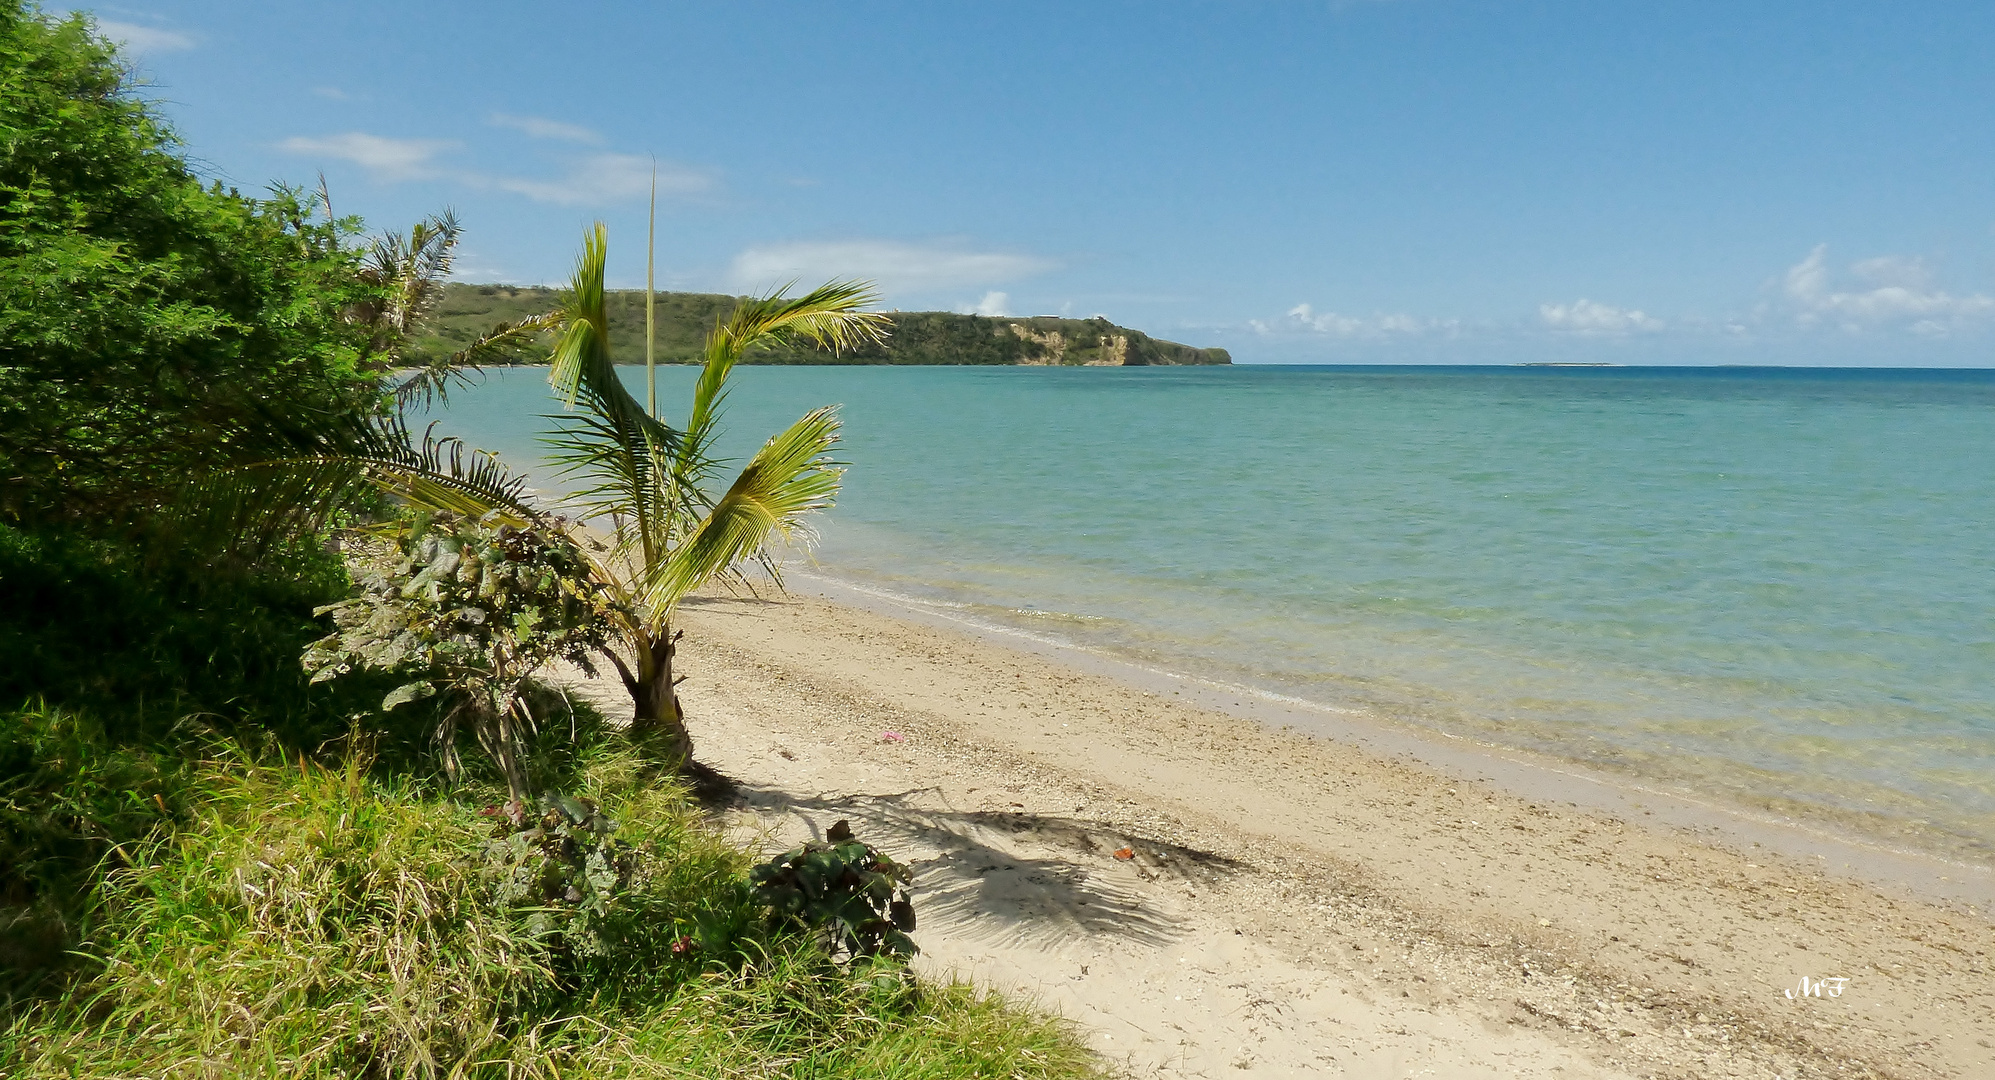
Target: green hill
(919, 337)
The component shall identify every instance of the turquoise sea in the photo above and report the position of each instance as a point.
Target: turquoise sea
(1776, 585)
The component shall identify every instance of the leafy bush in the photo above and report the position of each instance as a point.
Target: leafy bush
(563, 865)
(850, 894)
(470, 610)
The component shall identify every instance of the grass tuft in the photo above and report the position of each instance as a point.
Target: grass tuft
(299, 920)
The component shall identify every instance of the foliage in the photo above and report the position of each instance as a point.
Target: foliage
(685, 319)
(409, 276)
(87, 625)
(150, 327)
(564, 865)
(469, 609)
(231, 905)
(852, 895)
(155, 331)
(335, 922)
(657, 485)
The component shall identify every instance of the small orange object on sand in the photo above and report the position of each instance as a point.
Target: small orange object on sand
(1125, 853)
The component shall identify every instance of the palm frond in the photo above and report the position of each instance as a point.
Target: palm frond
(436, 248)
(621, 445)
(429, 386)
(261, 504)
(829, 316)
(412, 271)
(789, 478)
(581, 368)
(609, 475)
(446, 474)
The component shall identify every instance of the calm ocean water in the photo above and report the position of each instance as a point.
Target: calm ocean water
(1773, 584)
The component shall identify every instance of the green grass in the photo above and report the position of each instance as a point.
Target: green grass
(298, 920)
(919, 337)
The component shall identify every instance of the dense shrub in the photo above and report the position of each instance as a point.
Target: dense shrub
(95, 625)
(150, 326)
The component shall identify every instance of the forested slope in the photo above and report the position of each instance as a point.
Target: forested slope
(919, 337)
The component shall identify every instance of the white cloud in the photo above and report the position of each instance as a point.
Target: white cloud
(1809, 278)
(1907, 271)
(594, 179)
(995, 305)
(892, 265)
(1896, 290)
(601, 178)
(388, 159)
(134, 38)
(1303, 317)
(540, 128)
(1588, 317)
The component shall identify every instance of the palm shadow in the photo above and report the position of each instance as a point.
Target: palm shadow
(977, 876)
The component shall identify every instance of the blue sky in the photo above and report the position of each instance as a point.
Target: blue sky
(1422, 181)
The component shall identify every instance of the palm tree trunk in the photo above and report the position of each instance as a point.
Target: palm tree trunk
(656, 718)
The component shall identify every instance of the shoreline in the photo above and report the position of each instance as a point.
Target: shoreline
(1842, 852)
(1207, 897)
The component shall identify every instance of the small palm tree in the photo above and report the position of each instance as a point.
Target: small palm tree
(409, 272)
(671, 528)
(656, 487)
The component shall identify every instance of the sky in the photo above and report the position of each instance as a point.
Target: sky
(1392, 181)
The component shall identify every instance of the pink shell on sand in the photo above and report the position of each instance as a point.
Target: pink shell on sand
(892, 736)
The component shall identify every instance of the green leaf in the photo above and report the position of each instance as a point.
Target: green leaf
(407, 692)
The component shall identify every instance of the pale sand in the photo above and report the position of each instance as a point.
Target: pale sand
(1301, 906)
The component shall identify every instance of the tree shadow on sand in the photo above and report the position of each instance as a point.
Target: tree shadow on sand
(987, 877)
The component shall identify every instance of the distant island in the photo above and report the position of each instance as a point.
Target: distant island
(919, 337)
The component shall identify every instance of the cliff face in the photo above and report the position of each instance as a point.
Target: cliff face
(1099, 343)
(942, 337)
(919, 337)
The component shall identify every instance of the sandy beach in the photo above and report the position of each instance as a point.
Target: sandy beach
(1206, 895)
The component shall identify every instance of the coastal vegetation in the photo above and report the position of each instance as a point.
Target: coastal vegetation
(465, 312)
(212, 861)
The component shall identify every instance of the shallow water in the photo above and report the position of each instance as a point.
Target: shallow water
(1774, 584)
